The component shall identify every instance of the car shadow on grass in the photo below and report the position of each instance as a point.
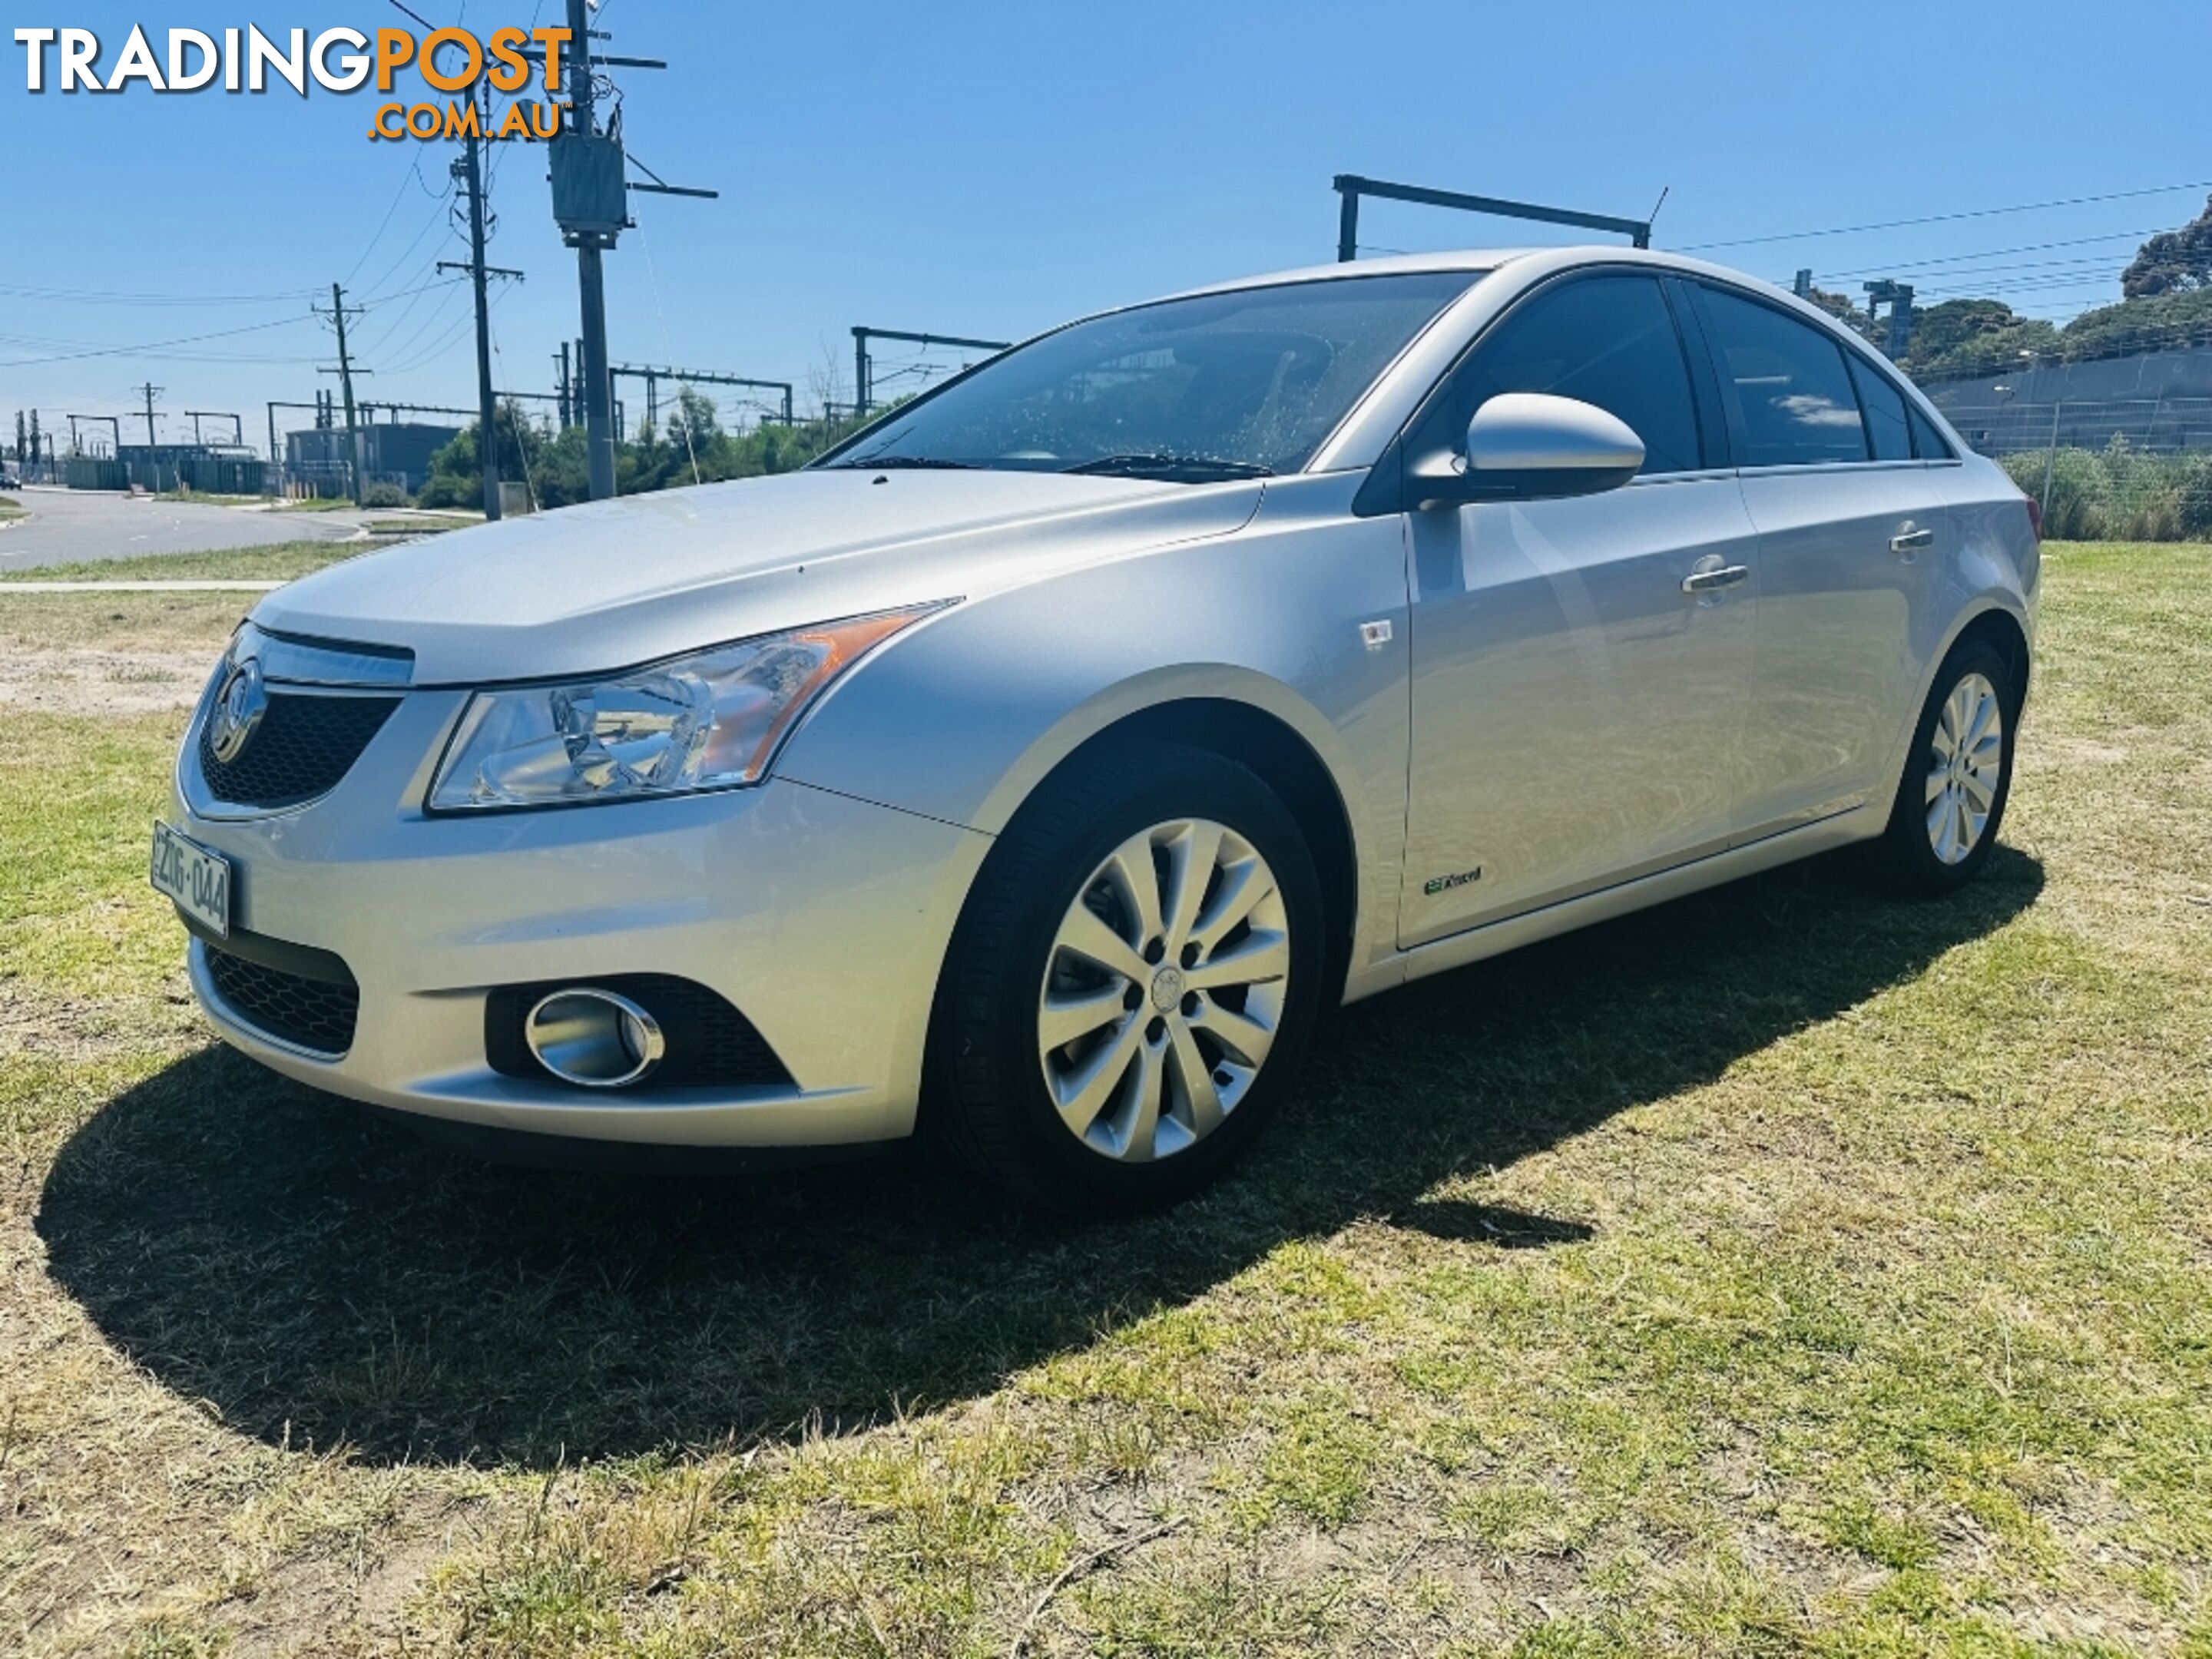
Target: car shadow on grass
(321, 1277)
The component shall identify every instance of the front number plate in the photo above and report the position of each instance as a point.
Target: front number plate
(197, 879)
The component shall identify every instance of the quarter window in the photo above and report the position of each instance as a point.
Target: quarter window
(1927, 442)
(1610, 341)
(1788, 393)
(1885, 413)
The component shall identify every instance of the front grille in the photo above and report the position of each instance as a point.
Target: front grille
(710, 1043)
(308, 1014)
(303, 745)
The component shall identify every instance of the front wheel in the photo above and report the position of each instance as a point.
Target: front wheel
(1131, 984)
(1958, 776)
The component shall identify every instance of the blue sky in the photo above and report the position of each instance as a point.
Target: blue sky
(989, 169)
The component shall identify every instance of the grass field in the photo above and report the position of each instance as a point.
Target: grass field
(279, 561)
(1786, 1271)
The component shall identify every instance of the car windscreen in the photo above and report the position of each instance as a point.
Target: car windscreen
(1236, 385)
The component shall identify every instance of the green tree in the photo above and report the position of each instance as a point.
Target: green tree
(559, 473)
(1974, 336)
(1841, 308)
(2173, 261)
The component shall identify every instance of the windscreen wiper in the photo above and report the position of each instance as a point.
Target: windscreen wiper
(909, 463)
(1186, 469)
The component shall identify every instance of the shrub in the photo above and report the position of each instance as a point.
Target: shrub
(2193, 498)
(2118, 493)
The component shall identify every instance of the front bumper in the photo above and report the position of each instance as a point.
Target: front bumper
(823, 919)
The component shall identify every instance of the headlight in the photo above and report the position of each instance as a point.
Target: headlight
(707, 722)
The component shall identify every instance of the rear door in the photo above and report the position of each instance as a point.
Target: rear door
(1852, 533)
(1575, 712)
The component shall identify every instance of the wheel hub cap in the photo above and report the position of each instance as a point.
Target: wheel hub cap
(1164, 989)
(1966, 758)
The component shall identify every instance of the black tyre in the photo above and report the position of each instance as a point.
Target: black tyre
(1958, 775)
(1131, 985)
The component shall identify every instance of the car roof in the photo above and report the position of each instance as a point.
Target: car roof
(1484, 261)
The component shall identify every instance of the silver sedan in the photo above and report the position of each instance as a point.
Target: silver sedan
(1030, 770)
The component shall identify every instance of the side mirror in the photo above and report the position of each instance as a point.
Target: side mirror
(1531, 445)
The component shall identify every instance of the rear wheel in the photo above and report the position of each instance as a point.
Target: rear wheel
(1958, 775)
(1130, 983)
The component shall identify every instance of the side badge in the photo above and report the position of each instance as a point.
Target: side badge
(1437, 884)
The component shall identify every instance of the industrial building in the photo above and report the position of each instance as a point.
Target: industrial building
(391, 451)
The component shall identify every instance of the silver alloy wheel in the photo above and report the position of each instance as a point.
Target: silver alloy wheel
(1164, 990)
(1966, 755)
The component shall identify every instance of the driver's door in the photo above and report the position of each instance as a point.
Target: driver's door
(1578, 716)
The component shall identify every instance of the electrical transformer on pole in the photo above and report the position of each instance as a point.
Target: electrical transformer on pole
(591, 204)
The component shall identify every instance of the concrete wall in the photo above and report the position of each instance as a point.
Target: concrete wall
(2152, 377)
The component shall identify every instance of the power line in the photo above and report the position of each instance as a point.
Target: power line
(86, 296)
(1988, 253)
(439, 206)
(446, 341)
(433, 318)
(400, 319)
(1948, 218)
(413, 173)
(152, 346)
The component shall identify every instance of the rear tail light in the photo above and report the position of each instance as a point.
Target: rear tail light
(2035, 518)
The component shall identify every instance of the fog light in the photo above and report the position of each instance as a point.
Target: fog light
(594, 1039)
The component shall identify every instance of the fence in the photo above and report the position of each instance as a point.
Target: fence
(2113, 469)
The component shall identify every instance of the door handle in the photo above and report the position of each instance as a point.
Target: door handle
(1911, 541)
(1710, 581)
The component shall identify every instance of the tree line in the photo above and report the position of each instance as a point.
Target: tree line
(690, 447)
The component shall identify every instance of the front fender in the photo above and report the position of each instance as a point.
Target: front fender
(963, 718)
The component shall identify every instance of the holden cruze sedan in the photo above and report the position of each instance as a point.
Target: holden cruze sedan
(1031, 769)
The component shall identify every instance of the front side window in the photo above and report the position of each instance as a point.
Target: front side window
(1610, 341)
(1788, 394)
(1236, 385)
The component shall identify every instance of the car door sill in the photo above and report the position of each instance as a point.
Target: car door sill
(1510, 933)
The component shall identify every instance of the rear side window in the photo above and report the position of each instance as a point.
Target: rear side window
(1927, 442)
(1610, 341)
(1787, 393)
(1884, 406)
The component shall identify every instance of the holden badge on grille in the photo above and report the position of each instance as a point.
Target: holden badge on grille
(239, 708)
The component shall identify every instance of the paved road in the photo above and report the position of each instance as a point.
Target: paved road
(66, 525)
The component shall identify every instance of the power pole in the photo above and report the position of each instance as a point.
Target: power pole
(345, 373)
(1897, 297)
(1350, 186)
(470, 171)
(152, 392)
(597, 222)
(864, 374)
(591, 203)
(237, 423)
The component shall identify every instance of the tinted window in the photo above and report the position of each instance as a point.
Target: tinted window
(1255, 378)
(1789, 396)
(1884, 406)
(1927, 442)
(1607, 340)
